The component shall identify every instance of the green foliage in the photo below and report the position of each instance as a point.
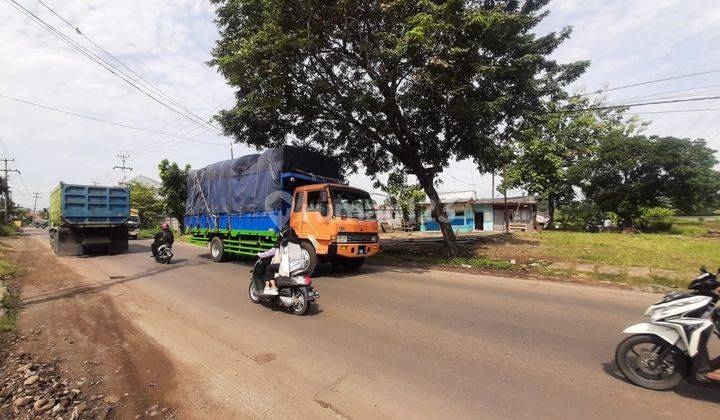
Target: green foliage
(629, 173)
(656, 219)
(146, 201)
(577, 215)
(10, 301)
(8, 230)
(386, 83)
(401, 194)
(174, 189)
(550, 145)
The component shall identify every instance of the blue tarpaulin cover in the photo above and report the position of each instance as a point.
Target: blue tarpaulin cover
(252, 183)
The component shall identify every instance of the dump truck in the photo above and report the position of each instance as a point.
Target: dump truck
(238, 206)
(89, 219)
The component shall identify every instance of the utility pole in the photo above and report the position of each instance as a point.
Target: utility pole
(231, 152)
(493, 185)
(123, 168)
(6, 171)
(36, 195)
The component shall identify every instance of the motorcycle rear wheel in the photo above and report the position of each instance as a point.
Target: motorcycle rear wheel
(301, 307)
(253, 293)
(635, 352)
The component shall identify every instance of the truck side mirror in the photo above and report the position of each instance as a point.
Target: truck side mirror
(323, 209)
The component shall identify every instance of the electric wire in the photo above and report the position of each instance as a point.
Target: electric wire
(138, 76)
(75, 114)
(606, 107)
(665, 79)
(103, 63)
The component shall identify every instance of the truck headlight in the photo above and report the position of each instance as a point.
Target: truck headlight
(342, 238)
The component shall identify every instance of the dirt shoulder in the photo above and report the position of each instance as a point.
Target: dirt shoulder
(82, 350)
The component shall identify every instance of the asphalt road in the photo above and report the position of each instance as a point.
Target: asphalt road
(387, 342)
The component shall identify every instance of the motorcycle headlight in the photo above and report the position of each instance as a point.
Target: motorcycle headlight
(342, 238)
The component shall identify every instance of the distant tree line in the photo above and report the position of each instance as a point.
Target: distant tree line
(593, 164)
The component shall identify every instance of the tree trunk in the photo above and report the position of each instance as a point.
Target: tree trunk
(439, 214)
(551, 212)
(181, 224)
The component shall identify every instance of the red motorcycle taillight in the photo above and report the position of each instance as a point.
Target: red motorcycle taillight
(308, 280)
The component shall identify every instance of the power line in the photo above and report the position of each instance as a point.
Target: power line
(106, 65)
(650, 82)
(160, 144)
(600, 108)
(674, 111)
(140, 77)
(75, 114)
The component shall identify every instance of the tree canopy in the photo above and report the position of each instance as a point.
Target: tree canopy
(146, 201)
(408, 84)
(402, 194)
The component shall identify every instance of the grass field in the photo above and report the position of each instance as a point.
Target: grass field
(695, 226)
(663, 259)
(668, 252)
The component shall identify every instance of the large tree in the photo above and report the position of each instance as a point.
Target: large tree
(551, 144)
(385, 83)
(174, 189)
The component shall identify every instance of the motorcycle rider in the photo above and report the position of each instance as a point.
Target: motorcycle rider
(702, 359)
(164, 237)
(287, 246)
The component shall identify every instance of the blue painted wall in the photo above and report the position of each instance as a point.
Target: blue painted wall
(465, 223)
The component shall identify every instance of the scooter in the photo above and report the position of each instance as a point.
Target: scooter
(164, 254)
(672, 346)
(294, 292)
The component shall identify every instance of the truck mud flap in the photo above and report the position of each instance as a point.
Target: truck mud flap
(65, 244)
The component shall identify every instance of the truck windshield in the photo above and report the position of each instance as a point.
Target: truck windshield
(352, 203)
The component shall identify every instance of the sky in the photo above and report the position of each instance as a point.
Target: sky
(168, 42)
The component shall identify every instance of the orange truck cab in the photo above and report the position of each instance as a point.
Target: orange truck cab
(337, 224)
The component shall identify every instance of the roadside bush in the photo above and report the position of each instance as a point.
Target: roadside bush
(8, 230)
(656, 219)
(577, 215)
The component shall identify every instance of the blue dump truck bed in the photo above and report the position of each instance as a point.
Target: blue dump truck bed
(89, 205)
(89, 216)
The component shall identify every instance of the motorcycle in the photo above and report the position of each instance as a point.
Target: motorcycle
(295, 292)
(662, 352)
(164, 254)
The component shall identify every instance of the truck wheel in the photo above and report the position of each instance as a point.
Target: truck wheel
(217, 249)
(310, 257)
(352, 264)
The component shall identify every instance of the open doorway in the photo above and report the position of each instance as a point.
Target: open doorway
(479, 220)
